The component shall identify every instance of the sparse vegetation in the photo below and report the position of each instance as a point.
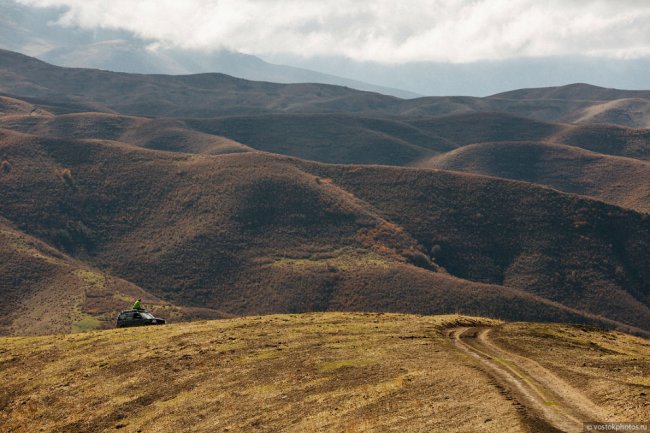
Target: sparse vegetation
(92, 278)
(86, 323)
(66, 175)
(5, 166)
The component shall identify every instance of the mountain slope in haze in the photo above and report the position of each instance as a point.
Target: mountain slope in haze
(483, 78)
(36, 32)
(210, 95)
(201, 95)
(624, 182)
(257, 233)
(578, 91)
(129, 56)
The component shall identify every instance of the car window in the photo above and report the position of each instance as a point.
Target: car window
(137, 316)
(147, 315)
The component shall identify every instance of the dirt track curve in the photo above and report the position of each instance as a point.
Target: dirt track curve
(547, 403)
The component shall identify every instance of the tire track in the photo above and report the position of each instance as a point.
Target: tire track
(549, 403)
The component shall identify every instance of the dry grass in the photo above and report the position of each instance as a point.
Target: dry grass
(329, 372)
(611, 368)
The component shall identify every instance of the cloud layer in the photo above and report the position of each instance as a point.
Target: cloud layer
(382, 30)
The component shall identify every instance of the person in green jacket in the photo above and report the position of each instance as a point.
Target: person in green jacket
(137, 305)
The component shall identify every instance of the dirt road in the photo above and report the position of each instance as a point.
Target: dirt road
(546, 402)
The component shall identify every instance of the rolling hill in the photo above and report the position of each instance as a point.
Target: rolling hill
(323, 372)
(446, 142)
(624, 182)
(45, 291)
(202, 216)
(607, 139)
(578, 91)
(256, 233)
(335, 138)
(212, 95)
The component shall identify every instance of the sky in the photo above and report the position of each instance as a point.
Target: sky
(383, 31)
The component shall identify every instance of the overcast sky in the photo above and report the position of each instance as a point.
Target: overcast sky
(385, 31)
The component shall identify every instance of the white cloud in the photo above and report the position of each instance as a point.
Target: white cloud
(382, 30)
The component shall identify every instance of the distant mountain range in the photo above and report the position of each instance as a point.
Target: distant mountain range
(482, 78)
(208, 95)
(32, 31)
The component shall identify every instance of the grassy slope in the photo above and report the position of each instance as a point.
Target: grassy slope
(624, 182)
(44, 291)
(332, 138)
(297, 373)
(611, 367)
(444, 142)
(578, 91)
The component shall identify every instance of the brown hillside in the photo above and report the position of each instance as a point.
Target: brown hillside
(239, 235)
(335, 138)
(201, 95)
(326, 138)
(563, 248)
(578, 91)
(256, 233)
(331, 138)
(624, 112)
(157, 134)
(471, 128)
(608, 139)
(44, 291)
(624, 182)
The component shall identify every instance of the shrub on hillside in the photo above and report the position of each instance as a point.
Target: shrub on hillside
(66, 175)
(5, 166)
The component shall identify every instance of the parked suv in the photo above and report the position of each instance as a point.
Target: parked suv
(138, 318)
